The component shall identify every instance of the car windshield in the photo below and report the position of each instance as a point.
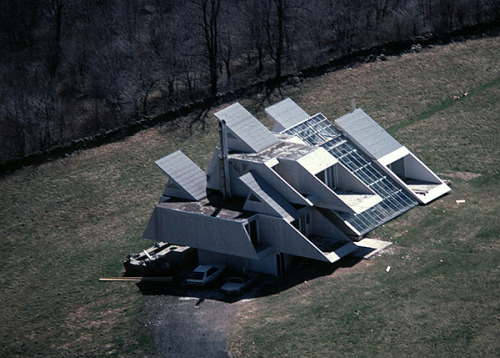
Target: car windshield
(195, 276)
(235, 280)
(211, 271)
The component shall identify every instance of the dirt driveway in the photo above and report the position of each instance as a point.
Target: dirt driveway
(190, 326)
(196, 323)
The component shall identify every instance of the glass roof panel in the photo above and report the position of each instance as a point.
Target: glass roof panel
(318, 130)
(314, 130)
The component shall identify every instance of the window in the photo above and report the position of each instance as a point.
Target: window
(329, 177)
(280, 265)
(398, 167)
(240, 167)
(251, 229)
(252, 197)
(302, 223)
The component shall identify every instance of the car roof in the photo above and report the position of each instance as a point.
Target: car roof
(203, 268)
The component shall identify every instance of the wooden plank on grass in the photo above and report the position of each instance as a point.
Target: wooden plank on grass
(137, 279)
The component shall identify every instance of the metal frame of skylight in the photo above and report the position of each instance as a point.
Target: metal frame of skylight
(395, 200)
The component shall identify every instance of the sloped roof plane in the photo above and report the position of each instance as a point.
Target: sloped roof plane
(251, 135)
(286, 114)
(287, 239)
(190, 180)
(269, 196)
(367, 134)
(205, 232)
(395, 159)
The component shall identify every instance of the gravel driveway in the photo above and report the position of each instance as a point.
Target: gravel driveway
(190, 323)
(189, 326)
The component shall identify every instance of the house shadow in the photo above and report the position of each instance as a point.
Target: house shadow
(302, 270)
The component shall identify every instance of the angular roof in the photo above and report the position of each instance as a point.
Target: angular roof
(286, 114)
(213, 205)
(367, 134)
(268, 195)
(306, 189)
(318, 130)
(314, 130)
(190, 181)
(285, 238)
(419, 180)
(251, 135)
(285, 150)
(206, 232)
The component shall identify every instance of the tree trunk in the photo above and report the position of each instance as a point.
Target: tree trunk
(280, 45)
(211, 33)
(260, 55)
(57, 14)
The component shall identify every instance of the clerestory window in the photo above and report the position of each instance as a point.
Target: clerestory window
(329, 177)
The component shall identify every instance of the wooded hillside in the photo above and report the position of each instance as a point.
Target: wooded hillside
(72, 68)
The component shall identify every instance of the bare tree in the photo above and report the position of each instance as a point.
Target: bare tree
(14, 127)
(227, 49)
(19, 22)
(280, 31)
(256, 18)
(56, 12)
(97, 64)
(209, 11)
(167, 39)
(275, 33)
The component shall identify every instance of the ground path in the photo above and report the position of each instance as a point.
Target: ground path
(189, 326)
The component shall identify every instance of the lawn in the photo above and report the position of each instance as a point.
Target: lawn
(440, 296)
(68, 222)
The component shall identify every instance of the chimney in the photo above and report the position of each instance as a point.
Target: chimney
(223, 161)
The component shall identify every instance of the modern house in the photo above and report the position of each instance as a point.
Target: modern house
(306, 189)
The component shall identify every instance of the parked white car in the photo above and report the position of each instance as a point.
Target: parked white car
(237, 284)
(204, 274)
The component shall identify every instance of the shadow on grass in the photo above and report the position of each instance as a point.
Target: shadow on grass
(302, 270)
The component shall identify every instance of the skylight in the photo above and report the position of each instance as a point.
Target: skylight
(318, 130)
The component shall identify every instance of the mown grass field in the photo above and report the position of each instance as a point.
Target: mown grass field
(68, 222)
(441, 296)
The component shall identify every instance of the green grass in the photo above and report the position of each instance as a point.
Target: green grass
(65, 224)
(68, 222)
(444, 105)
(441, 296)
